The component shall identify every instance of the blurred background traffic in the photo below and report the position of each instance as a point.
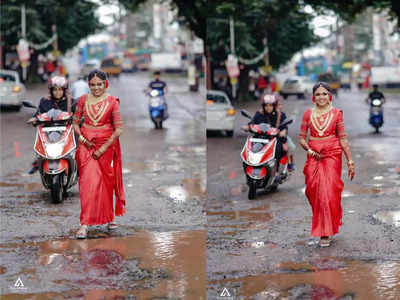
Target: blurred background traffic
(43, 38)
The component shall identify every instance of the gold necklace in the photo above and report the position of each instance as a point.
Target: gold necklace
(90, 104)
(327, 122)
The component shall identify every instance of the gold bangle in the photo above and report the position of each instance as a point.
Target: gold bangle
(309, 151)
(350, 162)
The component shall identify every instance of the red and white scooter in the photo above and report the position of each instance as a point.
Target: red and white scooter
(259, 157)
(55, 147)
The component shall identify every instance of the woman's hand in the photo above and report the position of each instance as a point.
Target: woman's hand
(89, 144)
(316, 155)
(351, 170)
(99, 152)
(86, 142)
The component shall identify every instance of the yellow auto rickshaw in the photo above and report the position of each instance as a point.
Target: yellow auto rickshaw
(332, 80)
(112, 66)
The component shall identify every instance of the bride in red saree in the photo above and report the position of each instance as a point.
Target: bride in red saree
(99, 155)
(323, 167)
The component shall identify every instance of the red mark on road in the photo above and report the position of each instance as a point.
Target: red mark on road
(16, 149)
(233, 175)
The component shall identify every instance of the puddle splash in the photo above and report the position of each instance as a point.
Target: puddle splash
(388, 217)
(348, 280)
(148, 265)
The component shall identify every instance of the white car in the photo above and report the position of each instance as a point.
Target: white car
(89, 66)
(301, 86)
(12, 91)
(220, 112)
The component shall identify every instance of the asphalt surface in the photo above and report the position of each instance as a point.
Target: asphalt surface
(262, 248)
(164, 174)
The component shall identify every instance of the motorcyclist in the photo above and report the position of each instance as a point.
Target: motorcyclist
(270, 113)
(58, 98)
(161, 86)
(157, 84)
(375, 94)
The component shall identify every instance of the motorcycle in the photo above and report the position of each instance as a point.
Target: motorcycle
(259, 157)
(55, 147)
(157, 108)
(376, 113)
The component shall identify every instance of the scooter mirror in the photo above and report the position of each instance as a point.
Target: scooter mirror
(28, 104)
(245, 113)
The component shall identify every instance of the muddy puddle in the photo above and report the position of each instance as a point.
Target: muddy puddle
(191, 188)
(331, 279)
(252, 216)
(35, 186)
(166, 265)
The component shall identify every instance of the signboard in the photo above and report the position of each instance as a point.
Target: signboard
(23, 50)
(232, 66)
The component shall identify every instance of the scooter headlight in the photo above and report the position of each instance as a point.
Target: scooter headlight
(376, 102)
(54, 150)
(154, 93)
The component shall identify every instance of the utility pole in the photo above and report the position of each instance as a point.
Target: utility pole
(23, 30)
(232, 37)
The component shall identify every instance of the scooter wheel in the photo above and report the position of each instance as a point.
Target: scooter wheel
(252, 190)
(57, 188)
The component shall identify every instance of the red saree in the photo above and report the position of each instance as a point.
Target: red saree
(323, 178)
(99, 178)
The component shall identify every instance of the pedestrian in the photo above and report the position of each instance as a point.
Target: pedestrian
(79, 88)
(323, 167)
(98, 155)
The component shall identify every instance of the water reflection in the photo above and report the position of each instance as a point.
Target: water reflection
(352, 279)
(389, 217)
(147, 265)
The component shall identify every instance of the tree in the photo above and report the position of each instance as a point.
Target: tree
(282, 27)
(75, 19)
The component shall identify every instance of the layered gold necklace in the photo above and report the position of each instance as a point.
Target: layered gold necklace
(320, 123)
(96, 107)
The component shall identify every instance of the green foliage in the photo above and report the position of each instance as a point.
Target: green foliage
(283, 26)
(75, 19)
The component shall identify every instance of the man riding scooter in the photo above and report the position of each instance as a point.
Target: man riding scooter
(376, 99)
(158, 107)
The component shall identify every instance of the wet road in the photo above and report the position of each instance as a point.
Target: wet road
(262, 249)
(164, 225)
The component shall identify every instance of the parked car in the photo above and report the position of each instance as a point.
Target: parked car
(301, 86)
(220, 112)
(12, 90)
(112, 66)
(90, 65)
